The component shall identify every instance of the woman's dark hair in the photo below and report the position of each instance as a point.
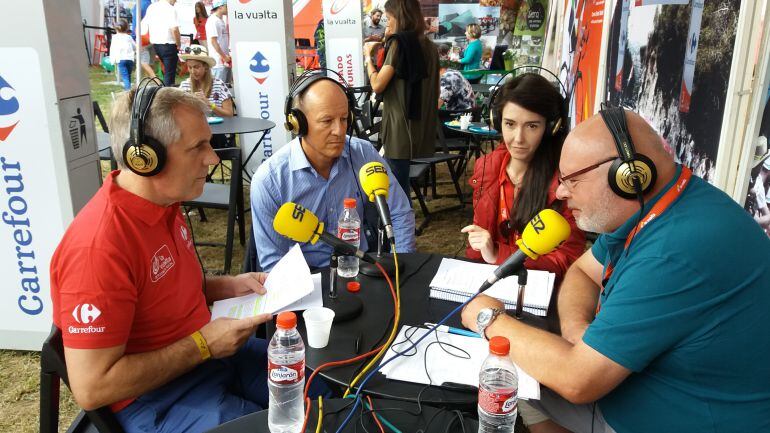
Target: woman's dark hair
(535, 93)
(408, 16)
(200, 10)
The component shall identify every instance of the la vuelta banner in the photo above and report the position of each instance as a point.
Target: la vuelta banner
(262, 64)
(691, 53)
(581, 48)
(344, 39)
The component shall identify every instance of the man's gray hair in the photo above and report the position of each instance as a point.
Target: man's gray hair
(159, 124)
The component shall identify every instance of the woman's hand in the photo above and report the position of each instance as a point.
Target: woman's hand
(202, 97)
(480, 240)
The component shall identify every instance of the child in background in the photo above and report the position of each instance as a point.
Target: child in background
(123, 52)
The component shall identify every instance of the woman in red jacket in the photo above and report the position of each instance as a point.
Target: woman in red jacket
(519, 178)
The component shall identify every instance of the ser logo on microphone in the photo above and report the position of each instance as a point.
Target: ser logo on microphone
(298, 213)
(538, 224)
(375, 169)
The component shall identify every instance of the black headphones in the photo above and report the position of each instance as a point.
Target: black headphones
(632, 174)
(143, 154)
(553, 126)
(295, 119)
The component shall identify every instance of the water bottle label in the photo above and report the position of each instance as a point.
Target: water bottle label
(286, 374)
(349, 235)
(497, 403)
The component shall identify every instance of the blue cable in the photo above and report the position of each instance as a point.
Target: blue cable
(386, 362)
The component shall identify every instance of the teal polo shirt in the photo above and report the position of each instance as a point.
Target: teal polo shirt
(687, 310)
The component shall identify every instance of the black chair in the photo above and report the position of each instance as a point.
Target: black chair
(418, 174)
(453, 162)
(105, 152)
(53, 370)
(228, 197)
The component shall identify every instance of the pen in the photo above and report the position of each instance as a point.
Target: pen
(452, 330)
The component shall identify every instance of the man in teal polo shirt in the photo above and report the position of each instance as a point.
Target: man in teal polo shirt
(663, 327)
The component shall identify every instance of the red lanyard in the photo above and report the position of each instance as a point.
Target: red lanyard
(664, 203)
(502, 178)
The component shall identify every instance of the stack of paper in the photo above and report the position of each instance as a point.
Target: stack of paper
(457, 280)
(289, 286)
(455, 366)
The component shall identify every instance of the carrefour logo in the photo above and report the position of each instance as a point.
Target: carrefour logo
(9, 108)
(259, 67)
(337, 6)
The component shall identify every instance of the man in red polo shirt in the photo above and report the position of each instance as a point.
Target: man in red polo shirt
(131, 300)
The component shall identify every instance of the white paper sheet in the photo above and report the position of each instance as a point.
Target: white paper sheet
(442, 366)
(314, 299)
(288, 282)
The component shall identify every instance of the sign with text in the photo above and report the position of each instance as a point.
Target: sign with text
(344, 39)
(32, 220)
(263, 63)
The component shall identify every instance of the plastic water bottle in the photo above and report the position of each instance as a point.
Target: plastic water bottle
(498, 389)
(349, 230)
(286, 376)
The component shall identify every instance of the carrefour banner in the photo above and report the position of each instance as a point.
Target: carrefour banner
(262, 40)
(344, 39)
(693, 36)
(31, 216)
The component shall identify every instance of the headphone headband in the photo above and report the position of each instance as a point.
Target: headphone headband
(143, 154)
(615, 119)
(296, 121)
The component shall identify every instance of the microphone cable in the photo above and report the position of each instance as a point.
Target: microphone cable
(396, 307)
(393, 332)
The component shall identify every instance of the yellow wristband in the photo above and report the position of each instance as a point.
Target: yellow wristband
(203, 348)
(213, 106)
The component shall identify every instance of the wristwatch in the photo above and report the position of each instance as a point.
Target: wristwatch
(484, 318)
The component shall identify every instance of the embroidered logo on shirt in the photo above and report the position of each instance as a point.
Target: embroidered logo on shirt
(161, 262)
(186, 237)
(86, 313)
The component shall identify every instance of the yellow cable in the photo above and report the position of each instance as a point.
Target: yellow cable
(320, 414)
(393, 332)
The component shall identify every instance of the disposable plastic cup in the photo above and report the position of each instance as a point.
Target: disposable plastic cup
(318, 322)
(464, 123)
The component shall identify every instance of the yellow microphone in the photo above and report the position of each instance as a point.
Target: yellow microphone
(376, 183)
(542, 234)
(301, 225)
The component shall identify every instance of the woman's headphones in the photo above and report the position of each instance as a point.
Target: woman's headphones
(553, 126)
(632, 174)
(295, 119)
(143, 154)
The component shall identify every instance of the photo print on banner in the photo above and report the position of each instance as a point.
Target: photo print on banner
(756, 202)
(669, 60)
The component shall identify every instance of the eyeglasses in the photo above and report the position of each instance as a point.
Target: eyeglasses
(195, 50)
(569, 180)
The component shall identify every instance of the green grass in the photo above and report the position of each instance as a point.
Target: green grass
(20, 371)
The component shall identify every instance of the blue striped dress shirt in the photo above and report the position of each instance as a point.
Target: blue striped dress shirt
(288, 176)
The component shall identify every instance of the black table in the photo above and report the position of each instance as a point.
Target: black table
(373, 324)
(393, 411)
(244, 125)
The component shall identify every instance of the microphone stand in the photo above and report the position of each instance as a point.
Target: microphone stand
(522, 280)
(384, 259)
(346, 306)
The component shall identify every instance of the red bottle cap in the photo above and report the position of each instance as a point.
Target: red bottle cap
(354, 286)
(287, 320)
(349, 203)
(498, 345)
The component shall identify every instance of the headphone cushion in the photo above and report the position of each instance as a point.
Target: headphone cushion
(630, 179)
(145, 160)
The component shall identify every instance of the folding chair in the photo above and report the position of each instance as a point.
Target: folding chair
(228, 197)
(105, 152)
(53, 370)
(452, 160)
(418, 175)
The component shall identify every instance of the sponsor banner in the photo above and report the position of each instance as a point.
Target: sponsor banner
(691, 53)
(31, 220)
(660, 2)
(343, 31)
(622, 41)
(263, 62)
(262, 89)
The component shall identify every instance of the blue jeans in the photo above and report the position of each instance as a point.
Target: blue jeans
(126, 67)
(215, 392)
(169, 57)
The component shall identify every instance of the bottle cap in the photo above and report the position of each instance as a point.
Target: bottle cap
(349, 203)
(354, 286)
(287, 320)
(497, 345)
